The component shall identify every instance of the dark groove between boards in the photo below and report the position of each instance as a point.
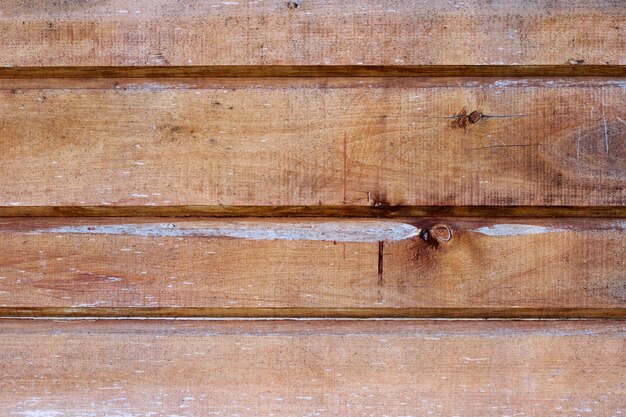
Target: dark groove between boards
(348, 313)
(317, 211)
(318, 71)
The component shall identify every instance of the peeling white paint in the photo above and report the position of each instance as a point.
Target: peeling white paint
(345, 231)
(515, 230)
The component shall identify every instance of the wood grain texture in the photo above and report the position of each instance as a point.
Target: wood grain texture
(320, 141)
(313, 267)
(248, 368)
(368, 32)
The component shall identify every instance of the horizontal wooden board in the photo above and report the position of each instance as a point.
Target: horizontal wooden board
(323, 141)
(313, 267)
(304, 32)
(250, 368)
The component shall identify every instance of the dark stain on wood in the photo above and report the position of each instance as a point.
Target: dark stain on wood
(381, 250)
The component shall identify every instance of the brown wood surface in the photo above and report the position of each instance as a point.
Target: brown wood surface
(319, 141)
(502, 124)
(275, 32)
(313, 267)
(327, 368)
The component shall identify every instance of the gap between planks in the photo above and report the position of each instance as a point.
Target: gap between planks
(379, 211)
(236, 71)
(317, 313)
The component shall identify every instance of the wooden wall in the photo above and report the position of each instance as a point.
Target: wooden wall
(312, 208)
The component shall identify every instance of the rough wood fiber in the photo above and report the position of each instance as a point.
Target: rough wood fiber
(326, 368)
(419, 267)
(304, 32)
(320, 141)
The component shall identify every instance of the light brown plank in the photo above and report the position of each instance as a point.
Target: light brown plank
(272, 142)
(313, 267)
(355, 32)
(251, 368)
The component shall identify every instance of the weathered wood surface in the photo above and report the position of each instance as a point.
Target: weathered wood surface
(355, 32)
(320, 141)
(250, 368)
(313, 267)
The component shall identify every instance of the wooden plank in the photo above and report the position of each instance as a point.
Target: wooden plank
(354, 368)
(275, 32)
(313, 267)
(320, 141)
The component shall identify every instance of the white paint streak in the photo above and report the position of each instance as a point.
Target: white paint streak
(515, 230)
(40, 413)
(348, 231)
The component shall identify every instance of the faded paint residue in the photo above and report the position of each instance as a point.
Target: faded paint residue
(345, 231)
(515, 230)
(40, 413)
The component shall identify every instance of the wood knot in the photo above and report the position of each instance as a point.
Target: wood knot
(474, 117)
(463, 119)
(436, 234)
(441, 232)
